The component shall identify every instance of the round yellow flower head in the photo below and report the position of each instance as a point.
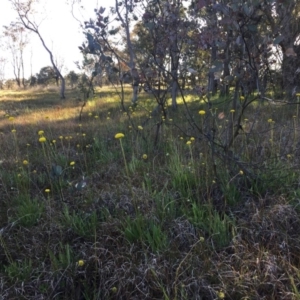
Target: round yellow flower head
(232, 110)
(188, 142)
(53, 141)
(40, 132)
(72, 163)
(11, 118)
(80, 263)
(145, 156)
(241, 172)
(242, 98)
(181, 138)
(47, 191)
(61, 137)
(140, 127)
(90, 114)
(270, 120)
(119, 135)
(42, 139)
(25, 162)
(202, 112)
(298, 94)
(192, 138)
(13, 130)
(221, 295)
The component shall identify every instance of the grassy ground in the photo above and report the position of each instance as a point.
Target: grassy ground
(85, 215)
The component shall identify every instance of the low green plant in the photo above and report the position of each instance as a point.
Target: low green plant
(216, 225)
(27, 211)
(63, 259)
(145, 231)
(19, 270)
(83, 224)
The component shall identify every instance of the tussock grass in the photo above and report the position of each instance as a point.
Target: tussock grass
(85, 217)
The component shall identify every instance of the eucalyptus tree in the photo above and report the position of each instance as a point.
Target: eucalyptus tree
(283, 22)
(25, 11)
(3, 62)
(16, 40)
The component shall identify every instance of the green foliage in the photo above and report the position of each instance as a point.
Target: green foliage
(19, 270)
(63, 259)
(84, 225)
(27, 211)
(145, 231)
(218, 226)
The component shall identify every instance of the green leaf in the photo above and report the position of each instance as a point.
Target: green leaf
(217, 66)
(56, 170)
(80, 185)
(278, 40)
(228, 79)
(252, 28)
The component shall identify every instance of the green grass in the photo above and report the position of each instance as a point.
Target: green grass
(170, 211)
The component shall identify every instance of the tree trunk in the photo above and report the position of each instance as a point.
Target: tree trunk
(211, 76)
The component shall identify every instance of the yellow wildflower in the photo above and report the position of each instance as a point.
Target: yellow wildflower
(11, 118)
(13, 130)
(114, 289)
(145, 156)
(192, 138)
(140, 127)
(42, 139)
(202, 112)
(47, 191)
(270, 120)
(25, 162)
(232, 110)
(40, 132)
(80, 263)
(188, 142)
(119, 136)
(241, 172)
(72, 163)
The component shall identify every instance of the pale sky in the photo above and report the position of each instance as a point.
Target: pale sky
(60, 30)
